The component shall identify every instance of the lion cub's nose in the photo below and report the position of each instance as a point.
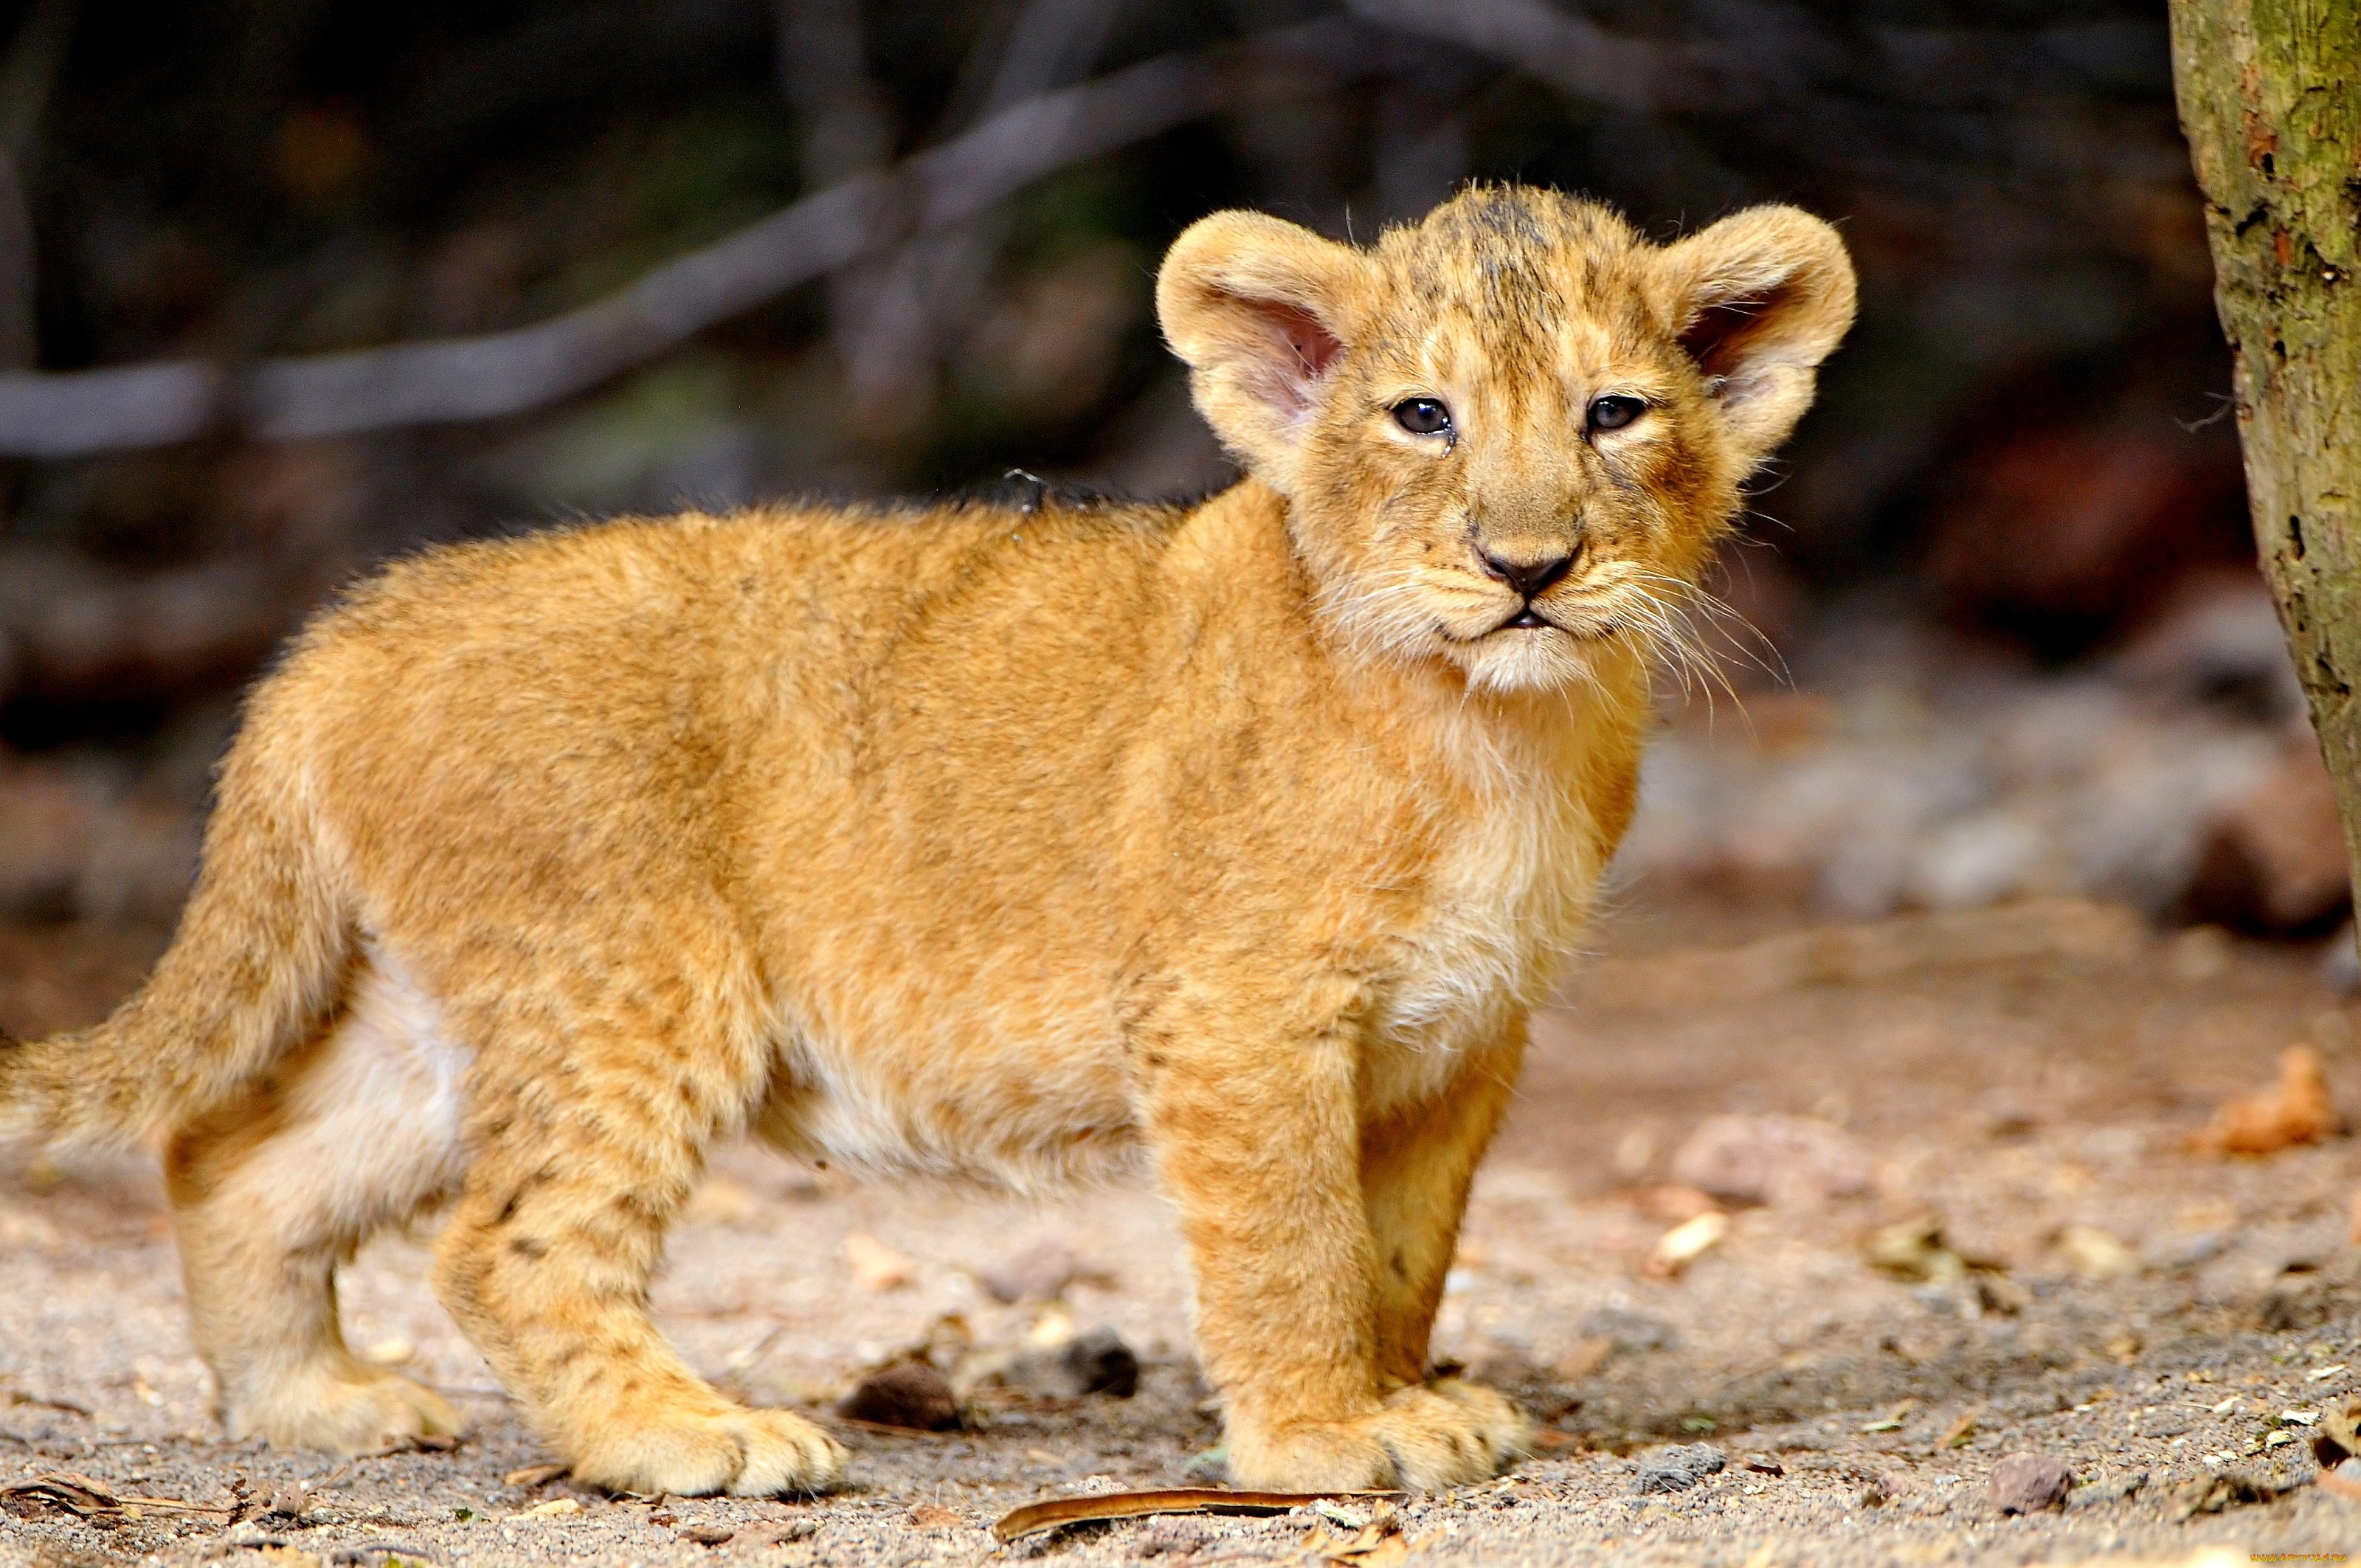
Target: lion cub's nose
(1529, 577)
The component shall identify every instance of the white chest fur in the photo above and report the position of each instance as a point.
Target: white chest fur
(1507, 901)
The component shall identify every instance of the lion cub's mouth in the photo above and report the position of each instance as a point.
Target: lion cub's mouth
(1530, 619)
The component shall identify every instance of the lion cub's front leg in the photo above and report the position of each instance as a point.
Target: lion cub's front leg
(1259, 1146)
(1417, 1166)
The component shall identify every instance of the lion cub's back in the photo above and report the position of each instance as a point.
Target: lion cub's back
(603, 687)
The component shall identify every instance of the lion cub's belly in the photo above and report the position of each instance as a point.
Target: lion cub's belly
(1026, 1107)
(382, 1101)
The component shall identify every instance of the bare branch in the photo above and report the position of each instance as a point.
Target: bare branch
(1573, 53)
(74, 413)
(1778, 57)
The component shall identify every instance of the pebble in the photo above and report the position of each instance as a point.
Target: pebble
(2028, 1483)
(1095, 1363)
(1629, 1329)
(1678, 1468)
(1789, 1162)
(1040, 1273)
(908, 1394)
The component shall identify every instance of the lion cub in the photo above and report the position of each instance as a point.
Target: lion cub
(1232, 841)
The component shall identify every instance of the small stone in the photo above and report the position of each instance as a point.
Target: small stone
(1789, 1162)
(1104, 1363)
(707, 1534)
(1678, 1467)
(1040, 1273)
(288, 1501)
(2028, 1483)
(1095, 1363)
(909, 1394)
(1629, 1331)
(2094, 1254)
(2273, 859)
(934, 1516)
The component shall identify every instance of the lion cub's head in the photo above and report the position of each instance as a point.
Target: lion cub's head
(1516, 427)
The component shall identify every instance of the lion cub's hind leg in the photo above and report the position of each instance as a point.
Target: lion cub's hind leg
(597, 1092)
(270, 1192)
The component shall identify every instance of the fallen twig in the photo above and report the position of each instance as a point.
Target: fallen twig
(363, 1551)
(532, 1475)
(42, 1402)
(86, 1497)
(1054, 1512)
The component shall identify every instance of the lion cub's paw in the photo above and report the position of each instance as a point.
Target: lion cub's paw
(747, 1453)
(344, 1411)
(1445, 1433)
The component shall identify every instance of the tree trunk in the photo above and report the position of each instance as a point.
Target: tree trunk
(2270, 98)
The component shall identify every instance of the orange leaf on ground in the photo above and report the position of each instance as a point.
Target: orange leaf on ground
(2296, 1110)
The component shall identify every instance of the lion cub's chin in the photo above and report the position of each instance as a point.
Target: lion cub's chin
(1531, 659)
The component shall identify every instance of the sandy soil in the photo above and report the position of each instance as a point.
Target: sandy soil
(2011, 1100)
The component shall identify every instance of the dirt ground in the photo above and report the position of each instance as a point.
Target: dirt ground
(2029, 1079)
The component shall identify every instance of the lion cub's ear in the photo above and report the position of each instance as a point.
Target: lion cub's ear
(1260, 310)
(1759, 299)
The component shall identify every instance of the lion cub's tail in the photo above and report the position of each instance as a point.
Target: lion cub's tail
(258, 958)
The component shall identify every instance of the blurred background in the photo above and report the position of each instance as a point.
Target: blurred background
(289, 287)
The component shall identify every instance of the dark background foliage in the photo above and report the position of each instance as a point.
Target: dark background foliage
(2021, 438)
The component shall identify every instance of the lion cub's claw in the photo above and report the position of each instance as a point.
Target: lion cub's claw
(747, 1453)
(1444, 1433)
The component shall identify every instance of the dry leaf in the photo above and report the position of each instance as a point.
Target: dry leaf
(1377, 1544)
(280, 1556)
(1034, 1518)
(1915, 1250)
(875, 1266)
(2296, 1110)
(934, 1516)
(2339, 1438)
(1686, 1243)
(556, 1508)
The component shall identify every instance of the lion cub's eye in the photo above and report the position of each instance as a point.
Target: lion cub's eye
(1423, 416)
(1615, 411)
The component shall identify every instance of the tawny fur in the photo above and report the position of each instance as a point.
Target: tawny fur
(1234, 841)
